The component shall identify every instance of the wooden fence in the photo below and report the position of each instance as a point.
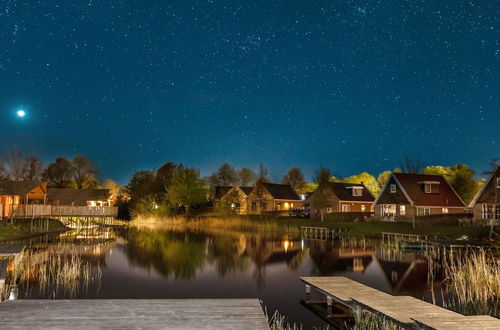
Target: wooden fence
(40, 211)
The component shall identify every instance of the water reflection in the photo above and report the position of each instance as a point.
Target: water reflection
(186, 264)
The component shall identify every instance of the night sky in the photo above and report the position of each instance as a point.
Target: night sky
(351, 85)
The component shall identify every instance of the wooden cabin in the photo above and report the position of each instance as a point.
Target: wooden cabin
(414, 195)
(236, 199)
(343, 198)
(272, 197)
(486, 203)
(80, 197)
(14, 194)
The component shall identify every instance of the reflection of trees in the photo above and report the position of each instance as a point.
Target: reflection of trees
(226, 252)
(170, 253)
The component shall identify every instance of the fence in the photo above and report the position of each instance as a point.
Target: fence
(40, 211)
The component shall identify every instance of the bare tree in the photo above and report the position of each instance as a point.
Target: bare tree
(85, 172)
(33, 169)
(59, 173)
(15, 161)
(227, 174)
(262, 173)
(322, 175)
(246, 176)
(295, 179)
(412, 165)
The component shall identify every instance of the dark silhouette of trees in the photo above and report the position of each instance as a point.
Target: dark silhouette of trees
(295, 179)
(227, 175)
(262, 173)
(187, 189)
(322, 175)
(33, 169)
(59, 173)
(246, 176)
(85, 173)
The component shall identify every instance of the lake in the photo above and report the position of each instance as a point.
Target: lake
(134, 263)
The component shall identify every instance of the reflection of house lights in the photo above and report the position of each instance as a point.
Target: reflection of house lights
(302, 245)
(286, 244)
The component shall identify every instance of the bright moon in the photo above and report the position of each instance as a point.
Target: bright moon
(21, 113)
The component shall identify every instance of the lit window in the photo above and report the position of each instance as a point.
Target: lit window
(428, 188)
(445, 210)
(346, 208)
(363, 207)
(402, 210)
(328, 210)
(392, 188)
(357, 191)
(291, 204)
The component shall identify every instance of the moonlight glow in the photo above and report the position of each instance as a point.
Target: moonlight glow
(21, 113)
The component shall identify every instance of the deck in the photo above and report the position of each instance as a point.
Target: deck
(403, 310)
(133, 314)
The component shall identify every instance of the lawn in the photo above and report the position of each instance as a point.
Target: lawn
(21, 230)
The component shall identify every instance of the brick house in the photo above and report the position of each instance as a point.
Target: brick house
(407, 195)
(236, 199)
(486, 203)
(343, 198)
(266, 197)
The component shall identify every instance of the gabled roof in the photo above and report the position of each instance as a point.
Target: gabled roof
(18, 188)
(246, 190)
(344, 191)
(496, 173)
(68, 194)
(413, 188)
(281, 191)
(220, 191)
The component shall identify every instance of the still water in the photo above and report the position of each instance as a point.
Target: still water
(133, 263)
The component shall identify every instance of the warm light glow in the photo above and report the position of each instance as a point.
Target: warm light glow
(286, 244)
(287, 206)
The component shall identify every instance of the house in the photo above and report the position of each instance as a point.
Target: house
(266, 197)
(342, 197)
(14, 194)
(412, 195)
(486, 203)
(80, 197)
(236, 199)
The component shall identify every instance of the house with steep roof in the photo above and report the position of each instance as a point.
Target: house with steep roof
(268, 197)
(342, 197)
(80, 197)
(486, 203)
(236, 199)
(14, 194)
(405, 196)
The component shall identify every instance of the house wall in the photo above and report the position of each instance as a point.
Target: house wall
(387, 197)
(329, 196)
(8, 202)
(39, 193)
(356, 206)
(259, 197)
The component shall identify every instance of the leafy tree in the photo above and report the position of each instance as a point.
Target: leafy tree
(141, 185)
(114, 187)
(262, 173)
(164, 176)
(322, 175)
(437, 170)
(463, 182)
(246, 176)
(383, 178)
(59, 173)
(295, 179)
(367, 179)
(187, 188)
(227, 175)
(32, 169)
(85, 172)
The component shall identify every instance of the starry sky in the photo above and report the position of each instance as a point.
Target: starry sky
(348, 84)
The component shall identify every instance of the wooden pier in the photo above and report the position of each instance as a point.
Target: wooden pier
(321, 233)
(133, 314)
(405, 311)
(400, 237)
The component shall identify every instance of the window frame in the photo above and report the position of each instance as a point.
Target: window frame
(392, 188)
(402, 209)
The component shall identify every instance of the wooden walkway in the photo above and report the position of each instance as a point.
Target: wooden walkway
(11, 250)
(403, 310)
(133, 314)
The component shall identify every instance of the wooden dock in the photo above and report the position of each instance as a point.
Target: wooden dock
(133, 314)
(405, 311)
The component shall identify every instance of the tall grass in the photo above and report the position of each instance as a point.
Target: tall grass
(365, 320)
(475, 280)
(55, 274)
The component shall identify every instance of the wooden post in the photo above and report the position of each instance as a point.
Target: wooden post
(308, 289)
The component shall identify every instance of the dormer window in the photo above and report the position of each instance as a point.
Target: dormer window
(357, 191)
(392, 188)
(430, 187)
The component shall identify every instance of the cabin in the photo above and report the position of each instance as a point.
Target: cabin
(80, 197)
(272, 197)
(406, 196)
(486, 203)
(15, 194)
(236, 199)
(343, 198)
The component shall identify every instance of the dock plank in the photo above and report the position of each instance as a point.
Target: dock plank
(404, 310)
(11, 250)
(133, 314)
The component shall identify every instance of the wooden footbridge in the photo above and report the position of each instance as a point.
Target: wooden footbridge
(133, 314)
(405, 311)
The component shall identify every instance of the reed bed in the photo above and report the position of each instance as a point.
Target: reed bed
(475, 280)
(54, 274)
(365, 320)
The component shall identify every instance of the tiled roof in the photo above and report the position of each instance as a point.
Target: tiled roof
(344, 192)
(68, 194)
(412, 184)
(17, 188)
(281, 191)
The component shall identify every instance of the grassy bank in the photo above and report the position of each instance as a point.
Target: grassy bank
(20, 230)
(292, 226)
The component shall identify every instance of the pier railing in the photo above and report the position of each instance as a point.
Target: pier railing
(40, 211)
